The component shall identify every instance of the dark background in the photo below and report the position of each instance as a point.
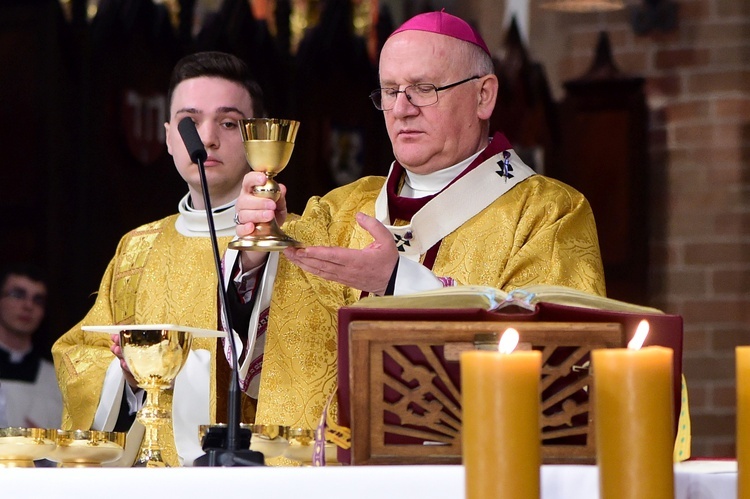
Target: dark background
(83, 102)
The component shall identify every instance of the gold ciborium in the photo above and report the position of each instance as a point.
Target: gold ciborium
(301, 447)
(270, 440)
(20, 447)
(155, 357)
(269, 143)
(87, 448)
(301, 442)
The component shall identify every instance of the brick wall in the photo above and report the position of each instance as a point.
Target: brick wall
(698, 91)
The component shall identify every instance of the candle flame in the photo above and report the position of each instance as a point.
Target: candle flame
(640, 336)
(508, 341)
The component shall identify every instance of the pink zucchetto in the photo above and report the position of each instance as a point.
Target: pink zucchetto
(443, 23)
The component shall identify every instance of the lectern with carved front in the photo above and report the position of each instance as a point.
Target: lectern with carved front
(404, 386)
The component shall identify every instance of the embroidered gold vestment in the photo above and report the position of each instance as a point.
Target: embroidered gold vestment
(136, 290)
(540, 231)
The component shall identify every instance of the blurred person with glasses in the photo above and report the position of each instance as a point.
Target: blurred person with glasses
(27, 377)
(458, 207)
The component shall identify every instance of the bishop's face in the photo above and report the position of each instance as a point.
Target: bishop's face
(215, 105)
(431, 138)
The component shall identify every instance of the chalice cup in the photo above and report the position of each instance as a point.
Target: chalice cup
(269, 143)
(155, 357)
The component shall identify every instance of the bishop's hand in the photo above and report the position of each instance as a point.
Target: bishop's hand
(368, 269)
(251, 209)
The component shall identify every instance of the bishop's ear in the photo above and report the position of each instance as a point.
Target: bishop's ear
(487, 96)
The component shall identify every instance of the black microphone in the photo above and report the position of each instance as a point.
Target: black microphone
(192, 141)
(222, 448)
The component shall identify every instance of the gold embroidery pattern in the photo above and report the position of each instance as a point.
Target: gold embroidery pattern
(127, 274)
(539, 232)
(299, 363)
(136, 289)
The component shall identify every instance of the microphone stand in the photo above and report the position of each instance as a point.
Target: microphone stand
(222, 448)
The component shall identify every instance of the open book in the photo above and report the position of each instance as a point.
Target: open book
(489, 298)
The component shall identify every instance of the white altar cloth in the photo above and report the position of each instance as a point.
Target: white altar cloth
(693, 480)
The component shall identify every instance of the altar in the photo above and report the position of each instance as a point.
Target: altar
(693, 480)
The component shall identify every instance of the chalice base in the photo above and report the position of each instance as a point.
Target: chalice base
(150, 458)
(16, 463)
(266, 237)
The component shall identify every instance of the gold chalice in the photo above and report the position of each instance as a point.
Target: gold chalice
(87, 448)
(268, 147)
(301, 445)
(269, 439)
(20, 447)
(155, 354)
(155, 357)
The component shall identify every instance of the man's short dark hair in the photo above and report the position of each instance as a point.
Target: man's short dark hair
(29, 270)
(219, 65)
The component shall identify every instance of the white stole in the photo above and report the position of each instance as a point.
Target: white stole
(450, 209)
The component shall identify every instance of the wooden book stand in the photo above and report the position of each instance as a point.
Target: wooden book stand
(404, 386)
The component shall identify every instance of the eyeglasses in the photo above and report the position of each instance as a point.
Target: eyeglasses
(20, 294)
(419, 94)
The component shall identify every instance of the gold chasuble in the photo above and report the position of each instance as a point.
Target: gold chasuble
(538, 231)
(157, 276)
(497, 224)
